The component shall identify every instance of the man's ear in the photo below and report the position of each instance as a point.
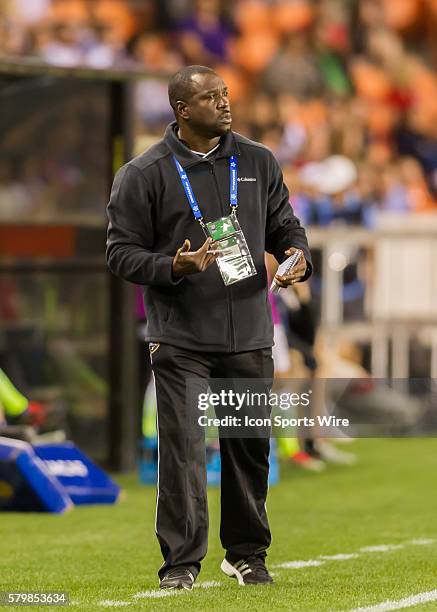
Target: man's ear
(182, 109)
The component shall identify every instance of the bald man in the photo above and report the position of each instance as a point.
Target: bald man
(190, 219)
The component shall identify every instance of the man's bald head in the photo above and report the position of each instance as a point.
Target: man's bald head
(200, 102)
(182, 86)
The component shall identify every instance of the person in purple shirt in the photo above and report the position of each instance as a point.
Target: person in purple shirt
(204, 34)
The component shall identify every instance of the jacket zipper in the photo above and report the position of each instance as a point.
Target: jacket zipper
(229, 288)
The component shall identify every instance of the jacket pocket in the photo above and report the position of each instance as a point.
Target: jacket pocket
(199, 322)
(159, 312)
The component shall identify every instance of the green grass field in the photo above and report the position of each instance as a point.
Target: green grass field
(110, 554)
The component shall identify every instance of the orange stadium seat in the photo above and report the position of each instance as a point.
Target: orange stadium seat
(117, 15)
(254, 51)
(402, 14)
(370, 81)
(68, 11)
(292, 17)
(253, 16)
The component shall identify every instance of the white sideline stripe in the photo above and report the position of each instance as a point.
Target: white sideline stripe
(299, 564)
(346, 556)
(382, 548)
(207, 584)
(156, 594)
(408, 602)
(110, 603)
(340, 557)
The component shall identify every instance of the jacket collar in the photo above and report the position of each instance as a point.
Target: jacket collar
(228, 146)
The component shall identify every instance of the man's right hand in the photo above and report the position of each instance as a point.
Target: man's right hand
(194, 262)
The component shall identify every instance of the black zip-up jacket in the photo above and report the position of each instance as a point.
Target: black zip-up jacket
(149, 218)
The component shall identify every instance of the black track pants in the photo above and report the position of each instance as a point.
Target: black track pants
(182, 509)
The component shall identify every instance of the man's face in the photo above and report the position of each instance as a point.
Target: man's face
(207, 110)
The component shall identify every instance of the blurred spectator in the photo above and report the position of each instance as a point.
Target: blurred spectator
(14, 198)
(106, 48)
(418, 195)
(153, 52)
(395, 192)
(204, 34)
(28, 13)
(294, 69)
(64, 47)
(336, 197)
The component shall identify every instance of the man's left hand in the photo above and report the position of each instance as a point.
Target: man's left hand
(296, 273)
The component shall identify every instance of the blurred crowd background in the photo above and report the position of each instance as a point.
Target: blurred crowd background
(344, 92)
(309, 78)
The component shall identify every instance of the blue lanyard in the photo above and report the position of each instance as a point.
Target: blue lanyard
(233, 187)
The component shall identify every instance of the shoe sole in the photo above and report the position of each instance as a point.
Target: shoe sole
(176, 588)
(180, 586)
(232, 572)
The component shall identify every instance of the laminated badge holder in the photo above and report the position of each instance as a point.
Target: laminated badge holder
(234, 261)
